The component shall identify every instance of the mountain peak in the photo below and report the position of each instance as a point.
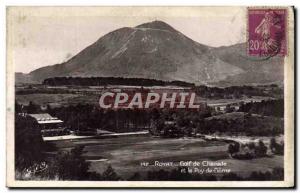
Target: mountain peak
(160, 25)
(155, 50)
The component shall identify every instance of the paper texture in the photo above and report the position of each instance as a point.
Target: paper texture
(150, 97)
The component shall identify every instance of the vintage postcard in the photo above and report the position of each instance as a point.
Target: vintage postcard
(150, 97)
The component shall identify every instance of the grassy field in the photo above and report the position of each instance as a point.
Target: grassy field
(56, 99)
(59, 99)
(126, 154)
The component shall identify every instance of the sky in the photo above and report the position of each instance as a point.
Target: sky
(42, 36)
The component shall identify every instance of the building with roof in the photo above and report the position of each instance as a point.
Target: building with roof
(49, 126)
(221, 107)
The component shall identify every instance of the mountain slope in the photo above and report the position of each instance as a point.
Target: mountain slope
(156, 50)
(257, 70)
(151, 50)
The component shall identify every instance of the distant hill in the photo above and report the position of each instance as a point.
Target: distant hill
(23, 78)
(256, 70)
(156, 50)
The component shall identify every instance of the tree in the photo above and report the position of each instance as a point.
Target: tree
(251, 145)
(233, 148)
(275, 147)
(273, 144)
(229, 109)
(278, 174)
(18, 107)
(261, 149)
(110, 175)
(70, 165)
(28, 142)
(32, 108)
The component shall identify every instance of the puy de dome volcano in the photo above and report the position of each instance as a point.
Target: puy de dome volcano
(156, 50)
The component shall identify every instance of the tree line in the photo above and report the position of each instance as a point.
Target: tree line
(103, 81)
(237, 92)
(267, 108)
(85, 117)
(255, 150)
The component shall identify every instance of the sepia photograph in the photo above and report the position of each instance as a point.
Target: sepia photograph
(150, 96)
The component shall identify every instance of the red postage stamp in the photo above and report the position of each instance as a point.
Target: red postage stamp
(267, 32)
